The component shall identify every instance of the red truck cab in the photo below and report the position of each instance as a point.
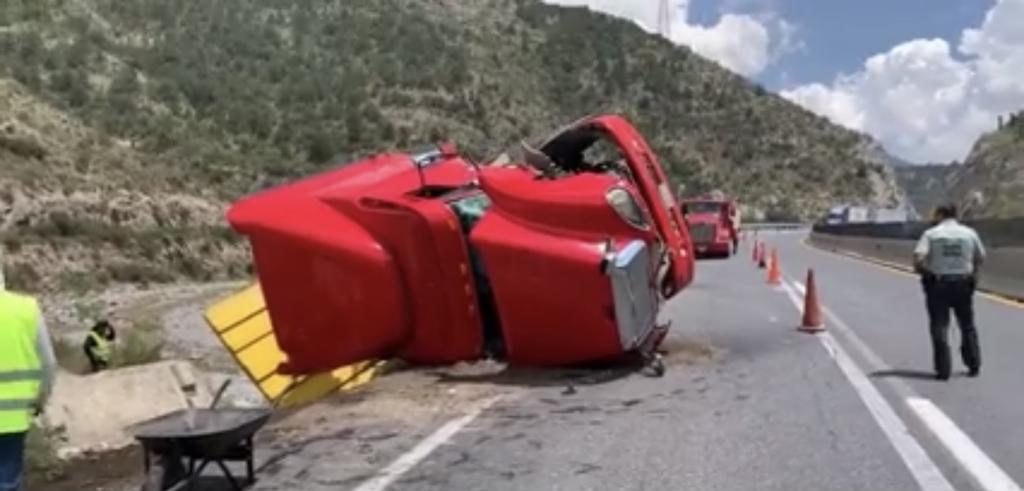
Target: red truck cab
(713, 224)
(428, 257)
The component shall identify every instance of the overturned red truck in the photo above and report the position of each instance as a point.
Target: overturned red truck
(431, 258)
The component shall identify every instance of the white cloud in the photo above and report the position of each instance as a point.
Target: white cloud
(738, 42)
(925, 101)
(745, 44)
(998, 52)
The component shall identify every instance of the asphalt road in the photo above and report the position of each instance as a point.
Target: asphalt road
(748, 402)
(886, 310)
(768, 410)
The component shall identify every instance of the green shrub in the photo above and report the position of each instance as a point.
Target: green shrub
(81, 282)
(11, 244)
(21, 276)
(137, 272)
(22, 147)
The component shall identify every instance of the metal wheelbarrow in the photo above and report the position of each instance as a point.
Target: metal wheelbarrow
(200, 436)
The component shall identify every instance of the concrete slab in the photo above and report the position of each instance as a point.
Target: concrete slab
(95, 409)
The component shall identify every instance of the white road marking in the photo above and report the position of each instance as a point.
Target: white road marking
(875, 361)
(975, 457)
(981, 467)
(408, 460)
(921, 466)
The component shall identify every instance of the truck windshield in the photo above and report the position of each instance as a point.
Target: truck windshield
(702, 207)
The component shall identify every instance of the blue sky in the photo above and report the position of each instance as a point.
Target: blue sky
(926, 78)
(837, 36)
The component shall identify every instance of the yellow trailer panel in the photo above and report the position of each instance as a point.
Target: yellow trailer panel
(242, 324)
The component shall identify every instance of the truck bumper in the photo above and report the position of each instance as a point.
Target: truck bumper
(706, 249)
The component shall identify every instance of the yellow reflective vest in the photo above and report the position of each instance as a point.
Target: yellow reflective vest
(20, 368)
(101, 350)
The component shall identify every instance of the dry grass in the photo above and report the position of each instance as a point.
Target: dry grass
(70, 355)
(139, 345)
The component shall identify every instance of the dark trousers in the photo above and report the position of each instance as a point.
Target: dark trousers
(956, 295)
(96, 365)
(12, 457)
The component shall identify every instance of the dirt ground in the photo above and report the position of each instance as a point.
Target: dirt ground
(357, 419)
(103, 472)
(359, 428)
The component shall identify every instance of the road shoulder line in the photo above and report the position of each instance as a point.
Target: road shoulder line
(921, 466)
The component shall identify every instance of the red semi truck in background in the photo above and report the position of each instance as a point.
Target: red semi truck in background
(714, 223)
(561, 258)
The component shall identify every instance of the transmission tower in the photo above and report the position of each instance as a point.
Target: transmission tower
(664, 19)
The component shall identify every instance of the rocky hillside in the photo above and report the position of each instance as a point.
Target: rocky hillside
(127, 125)
(80, 209)
(927, 186)
(991, 183)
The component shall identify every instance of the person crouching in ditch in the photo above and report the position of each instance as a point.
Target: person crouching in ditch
(98, 345)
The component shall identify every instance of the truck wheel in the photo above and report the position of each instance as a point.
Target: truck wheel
(656, 364)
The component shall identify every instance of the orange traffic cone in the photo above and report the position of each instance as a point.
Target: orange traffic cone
(774, 275)
(754, 249)
(812, 311)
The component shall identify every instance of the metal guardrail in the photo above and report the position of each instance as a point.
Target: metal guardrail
(994, 233)
(773, 226)
(1003, 273)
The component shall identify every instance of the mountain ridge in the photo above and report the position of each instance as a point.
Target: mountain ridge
(991, 181)
(194, 102)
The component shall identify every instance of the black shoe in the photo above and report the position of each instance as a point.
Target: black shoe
(942, 376)
(974, 372)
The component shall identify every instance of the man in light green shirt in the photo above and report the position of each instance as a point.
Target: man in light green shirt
(948, 257)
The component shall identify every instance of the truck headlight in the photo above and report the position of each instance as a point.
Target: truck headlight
(628, 209)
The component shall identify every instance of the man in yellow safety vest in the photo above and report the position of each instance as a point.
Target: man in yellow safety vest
(27, 365)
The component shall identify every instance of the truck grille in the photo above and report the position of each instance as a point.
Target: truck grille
(636, 304)
(702, 232)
